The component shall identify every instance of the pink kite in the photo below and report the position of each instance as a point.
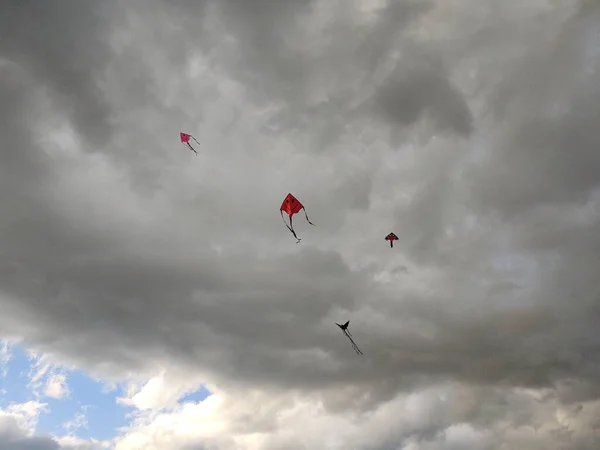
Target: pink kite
(185, 140)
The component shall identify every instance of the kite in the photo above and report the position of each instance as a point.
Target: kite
(391, 237)
(185, 140)
(291, 205)
(344, 328)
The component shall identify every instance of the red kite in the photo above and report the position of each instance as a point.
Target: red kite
(185, 140)
(291, 205)
(391, 237)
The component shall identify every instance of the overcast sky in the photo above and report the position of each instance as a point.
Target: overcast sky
(469, 128)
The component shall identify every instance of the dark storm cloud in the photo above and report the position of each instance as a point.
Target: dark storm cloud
(19, 162)
(547, 150)
(411, 92)
(61, 45)
(148, 255)
(57, 48)
(280, 60)
(169, 306)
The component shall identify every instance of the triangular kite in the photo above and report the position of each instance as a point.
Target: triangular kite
(291, 205)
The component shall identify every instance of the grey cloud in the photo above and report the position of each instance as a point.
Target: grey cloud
(261, 29)
(30, 443)
(283, 62)
(411, 92)
(228, 306)
(12, 437)
(61, 46)
(134, 252)
(547, 149)
(19, 160)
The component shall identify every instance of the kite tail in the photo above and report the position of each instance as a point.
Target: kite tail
(391, 243)
(307, 219)
(356, 349)
(195, 140)
(192, 148)
(354, 346)
(291, 228)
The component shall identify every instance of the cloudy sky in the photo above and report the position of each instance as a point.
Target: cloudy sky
(153, 299)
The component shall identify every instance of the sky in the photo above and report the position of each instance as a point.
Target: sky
(152, 299)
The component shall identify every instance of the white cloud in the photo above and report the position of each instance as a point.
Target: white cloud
(47, 378)
(183, 424)
(435, 417)
(5, 357)
(56, 386)
(160, 391)
(75, 443)
(78, 422)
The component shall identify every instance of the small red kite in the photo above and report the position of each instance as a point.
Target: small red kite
(185, 140)
(391, 237)
(291, 205)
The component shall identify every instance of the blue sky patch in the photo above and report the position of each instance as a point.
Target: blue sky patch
(196, 396)
(13, 387)
(89, 411)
